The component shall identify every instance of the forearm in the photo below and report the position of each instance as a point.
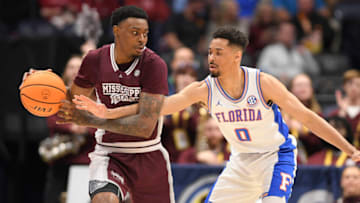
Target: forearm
(325, 131)
(176, 103)
(134, 125)
(122, 111)
(141, 124)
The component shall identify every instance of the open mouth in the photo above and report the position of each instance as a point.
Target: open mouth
(212, 67)
(140, 49)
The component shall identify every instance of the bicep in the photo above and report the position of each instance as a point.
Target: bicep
(275, 91)
(150, 105)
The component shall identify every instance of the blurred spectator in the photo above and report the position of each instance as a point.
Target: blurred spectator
(182, 57)
(225, 13)
(76, 17)
(58, 12)
(350, 185)
(285, 59)
(179, 130)
(330, 155)
(67, 145)
(212, 149)
(349, 105)
(247, 8)
(88, 25)
(157, 10)
(262, 29)
(347, 12)
(103, 7)
(188, 28)
(286, 9)
(313, 30)
(178, 6)
(301, 87)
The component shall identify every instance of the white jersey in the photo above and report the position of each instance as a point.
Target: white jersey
(248, 123)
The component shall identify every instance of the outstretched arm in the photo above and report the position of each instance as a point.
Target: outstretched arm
(193, 93)
(277, 92)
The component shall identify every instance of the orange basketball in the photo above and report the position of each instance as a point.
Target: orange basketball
(41, 93)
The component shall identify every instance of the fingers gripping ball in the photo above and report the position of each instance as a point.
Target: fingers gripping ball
(41, 93)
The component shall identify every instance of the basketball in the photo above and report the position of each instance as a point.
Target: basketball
(41, 93)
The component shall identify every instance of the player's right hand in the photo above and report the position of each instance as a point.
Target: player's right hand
(85, 103)
(356, 156)
(27, 74)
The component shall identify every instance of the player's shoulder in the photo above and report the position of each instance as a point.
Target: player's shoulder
(198, 84)
(104, 50)
(266, 78)
(251, 69)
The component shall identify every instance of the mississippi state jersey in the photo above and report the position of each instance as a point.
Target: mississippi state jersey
(248, 123)
(116, 86)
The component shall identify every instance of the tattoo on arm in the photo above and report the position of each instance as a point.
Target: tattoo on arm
(139, 125)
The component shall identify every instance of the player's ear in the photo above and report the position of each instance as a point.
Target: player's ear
(238, 54)
(115, 29)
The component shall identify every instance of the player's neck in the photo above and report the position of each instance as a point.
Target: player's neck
(233, 82)
(121, 58)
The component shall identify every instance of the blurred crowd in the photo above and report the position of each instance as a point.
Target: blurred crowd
(312, 46)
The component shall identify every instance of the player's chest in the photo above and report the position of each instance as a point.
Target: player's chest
(119, 87)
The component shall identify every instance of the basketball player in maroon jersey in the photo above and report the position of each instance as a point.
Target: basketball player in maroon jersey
(128, 157)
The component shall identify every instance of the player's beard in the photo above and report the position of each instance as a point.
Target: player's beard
(136, 55)
(214, 74)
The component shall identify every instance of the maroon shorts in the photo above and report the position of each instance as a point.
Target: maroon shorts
(145, 176)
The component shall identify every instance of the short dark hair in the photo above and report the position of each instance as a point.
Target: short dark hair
(235, 36)
(125, 12)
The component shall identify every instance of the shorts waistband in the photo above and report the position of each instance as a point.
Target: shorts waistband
(130, 150)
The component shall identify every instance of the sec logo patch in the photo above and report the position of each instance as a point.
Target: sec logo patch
(251, 100)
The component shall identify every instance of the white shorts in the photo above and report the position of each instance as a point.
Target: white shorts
(249, 177)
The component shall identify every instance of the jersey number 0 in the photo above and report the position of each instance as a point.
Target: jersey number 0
(243, 134)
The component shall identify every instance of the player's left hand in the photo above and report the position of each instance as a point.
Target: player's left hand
(356, 156)
(28, 73)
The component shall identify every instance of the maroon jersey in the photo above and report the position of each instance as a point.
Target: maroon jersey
(116, 87)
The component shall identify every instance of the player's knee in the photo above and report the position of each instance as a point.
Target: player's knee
(105, 197)
(104, 192)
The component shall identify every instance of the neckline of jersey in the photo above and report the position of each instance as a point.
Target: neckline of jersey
(245, 87)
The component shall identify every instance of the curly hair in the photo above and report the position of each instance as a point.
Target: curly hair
(233, 35)
(125, 12)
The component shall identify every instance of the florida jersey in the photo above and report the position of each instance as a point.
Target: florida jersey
(248, 123)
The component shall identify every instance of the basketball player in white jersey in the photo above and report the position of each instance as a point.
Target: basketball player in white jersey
(245, 103)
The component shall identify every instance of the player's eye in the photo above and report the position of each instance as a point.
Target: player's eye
(135, 33)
